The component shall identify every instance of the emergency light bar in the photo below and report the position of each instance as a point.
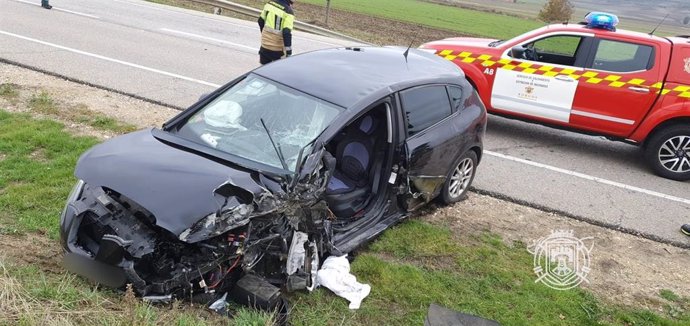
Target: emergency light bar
(601, 20)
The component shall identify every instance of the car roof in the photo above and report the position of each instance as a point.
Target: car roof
(348, 76)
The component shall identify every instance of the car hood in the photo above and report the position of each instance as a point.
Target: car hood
(176, 186)
(461, 42)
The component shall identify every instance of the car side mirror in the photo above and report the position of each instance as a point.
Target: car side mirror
(517, 52)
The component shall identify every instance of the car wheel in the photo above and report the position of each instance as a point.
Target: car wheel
(668, 153)
(459, 178)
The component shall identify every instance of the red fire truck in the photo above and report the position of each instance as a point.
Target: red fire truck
(590, 78)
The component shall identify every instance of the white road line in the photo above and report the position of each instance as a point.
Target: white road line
(209, 39)
(591, 178)
(35, 3)
(125, 63)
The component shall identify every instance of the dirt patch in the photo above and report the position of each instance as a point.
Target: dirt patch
(625, 269)
(33, 249)
(374, 30)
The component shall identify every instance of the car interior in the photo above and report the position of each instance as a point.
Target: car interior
(360, 151)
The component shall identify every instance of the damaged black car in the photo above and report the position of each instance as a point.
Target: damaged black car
(252, 186)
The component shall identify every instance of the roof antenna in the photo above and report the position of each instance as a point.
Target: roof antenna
(657, 26)
(407, 51)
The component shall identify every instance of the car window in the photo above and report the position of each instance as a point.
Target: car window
(424, 106)
(239, 121)
(559, 49)
(622, 56)
(455, 97)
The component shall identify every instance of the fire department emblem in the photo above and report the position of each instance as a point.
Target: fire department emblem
(529, 89)
(561, 261)
(687, 65)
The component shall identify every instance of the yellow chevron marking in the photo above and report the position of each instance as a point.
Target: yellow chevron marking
(684, 95)
(464, 54)
(567, 71)
(594, 80)
(484, 57)
(505, 61)
(617, 84)
(450, 57)
(636, 81)
(546, 68)
(590, 74)
(488, 63)
(525, 65)
(612, 78)
(508, 67)
(682, 89)
(551, 74)
(469, 60)
(657, 85)
(529, 70)
(445, 52)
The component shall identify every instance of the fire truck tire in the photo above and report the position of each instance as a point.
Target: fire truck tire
(668, 152)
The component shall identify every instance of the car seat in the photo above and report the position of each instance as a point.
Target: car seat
(348, 188)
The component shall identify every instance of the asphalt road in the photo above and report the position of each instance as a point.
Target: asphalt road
(173, 55)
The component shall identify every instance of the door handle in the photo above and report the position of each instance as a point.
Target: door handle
(565, 78)
(639, 89)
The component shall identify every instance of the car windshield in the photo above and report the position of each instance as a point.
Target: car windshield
(232, 122)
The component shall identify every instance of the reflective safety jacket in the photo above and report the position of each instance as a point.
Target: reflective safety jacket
(276, 23)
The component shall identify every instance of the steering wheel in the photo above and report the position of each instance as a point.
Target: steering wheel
(530, 53)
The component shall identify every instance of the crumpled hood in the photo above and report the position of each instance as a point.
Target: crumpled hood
(174, 185)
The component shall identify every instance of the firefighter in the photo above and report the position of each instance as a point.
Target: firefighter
(46, 4)
(276, 23)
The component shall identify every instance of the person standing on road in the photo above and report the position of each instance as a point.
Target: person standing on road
(46, 4)
(276, 23)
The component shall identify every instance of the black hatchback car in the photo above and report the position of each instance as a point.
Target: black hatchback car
(303, 158)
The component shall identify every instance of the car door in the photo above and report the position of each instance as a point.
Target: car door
(617, 89)
(433, 139)
(538, 81)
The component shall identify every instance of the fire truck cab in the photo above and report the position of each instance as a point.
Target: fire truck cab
(590, 78)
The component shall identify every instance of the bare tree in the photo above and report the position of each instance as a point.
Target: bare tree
(556, 11)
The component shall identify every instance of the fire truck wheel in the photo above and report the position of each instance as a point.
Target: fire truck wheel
(668, 152)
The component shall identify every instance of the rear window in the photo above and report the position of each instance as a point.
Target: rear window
(623, 56)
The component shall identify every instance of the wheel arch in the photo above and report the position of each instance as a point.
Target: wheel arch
(683, 120)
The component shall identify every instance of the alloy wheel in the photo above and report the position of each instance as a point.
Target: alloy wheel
(461, 177)
(674, 154)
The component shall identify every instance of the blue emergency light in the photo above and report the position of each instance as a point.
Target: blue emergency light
(601, 20)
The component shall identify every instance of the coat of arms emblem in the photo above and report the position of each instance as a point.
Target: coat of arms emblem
(561, 261)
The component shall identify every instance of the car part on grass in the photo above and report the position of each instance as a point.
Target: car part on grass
(440, 316)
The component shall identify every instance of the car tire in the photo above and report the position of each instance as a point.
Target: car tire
(459, 178)
(668, 153)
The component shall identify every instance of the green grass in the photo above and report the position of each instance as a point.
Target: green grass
(416, 264)
(39, 158)
(409, 267)
(463, 21)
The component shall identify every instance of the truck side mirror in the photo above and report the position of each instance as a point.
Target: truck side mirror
(517, 52)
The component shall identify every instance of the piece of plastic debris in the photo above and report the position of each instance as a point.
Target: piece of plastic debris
(220, 306)
(335, 276)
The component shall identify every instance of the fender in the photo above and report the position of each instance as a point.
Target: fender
(658, 117)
